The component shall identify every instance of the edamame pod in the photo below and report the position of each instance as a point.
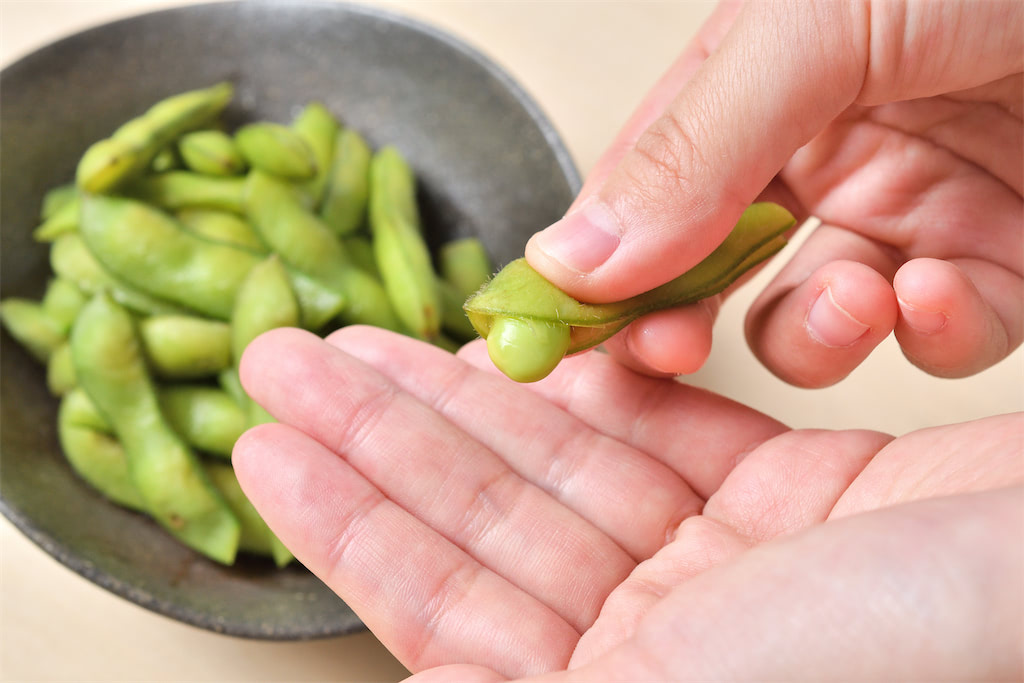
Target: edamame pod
(62, 301)
(347, 192)
(307, 245)
(211, 152)
(60, 371)
(265, 302)
(256, 536)
(166, 472)
(166, 159)
(398, 245)
(109, 163)
(276, 149)
(93, 453)
(453, 319)
(62, 221)
(32, 327)
(57, 198)
(71, 259)
(185, 346)
(149, 249)
(207, 418)
(466, 264)
(519, 293)
(177, 190)
(318, 127)
(221, 226)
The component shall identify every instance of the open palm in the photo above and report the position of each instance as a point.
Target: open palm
(623, 526)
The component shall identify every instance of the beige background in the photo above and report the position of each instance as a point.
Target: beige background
(587, 64)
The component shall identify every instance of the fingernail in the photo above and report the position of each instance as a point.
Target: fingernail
(831, 325)
(922, 321)
(583, 240)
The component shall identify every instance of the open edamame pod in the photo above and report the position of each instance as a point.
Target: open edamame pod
(109, 163)
(171, 481)
(398, 245)
(537, 323)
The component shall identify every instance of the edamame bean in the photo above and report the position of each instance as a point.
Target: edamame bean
(185, 346)
(109, 163)
(519, 293)
(347, 191)
(276, 149)
(93, 453)
(527, 350)
(166, 472)
(211, 152)
(398, 245)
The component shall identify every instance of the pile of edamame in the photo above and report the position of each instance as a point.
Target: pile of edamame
(177, 244)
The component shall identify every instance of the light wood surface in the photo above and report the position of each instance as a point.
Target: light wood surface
(587, 64)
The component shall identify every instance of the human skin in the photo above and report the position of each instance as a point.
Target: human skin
(897, 124)
(605, 523)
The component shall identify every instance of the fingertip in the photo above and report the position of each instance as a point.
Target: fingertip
(670, 342)
(814, 334)
(945, 326)
(265, 350)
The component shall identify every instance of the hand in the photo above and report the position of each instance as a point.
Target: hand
(611, 525)
(898, 125)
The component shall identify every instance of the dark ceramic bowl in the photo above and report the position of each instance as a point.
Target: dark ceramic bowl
(488, 162)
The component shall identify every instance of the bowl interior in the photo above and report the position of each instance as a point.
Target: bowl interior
(488, 164)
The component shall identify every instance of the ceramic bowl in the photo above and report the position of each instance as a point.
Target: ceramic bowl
(488, 162)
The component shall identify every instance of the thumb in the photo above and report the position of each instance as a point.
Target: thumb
(781, 73)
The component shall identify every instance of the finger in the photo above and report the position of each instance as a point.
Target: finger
(436, 472)
(958, 318)
(675, 195)
(674, 341)
(583, 469)
(699, 435)
(426, 600)
(827, 309)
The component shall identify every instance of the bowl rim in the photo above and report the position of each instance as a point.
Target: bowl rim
(61, 552)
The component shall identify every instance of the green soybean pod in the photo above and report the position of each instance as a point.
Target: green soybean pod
(265, 302)
(398, 245)
(211, 152)
(206, 417)
(62, 301)
(60, 371)
(57, 198)
(276, 149)
(109, 163)
(360, 251)
(32, 327)
(93, 453)
(184, 346)
(318, 127)
(71, 259)
(466, 264)
(221, 226)
(176, 190)
(318, 303)
(519, 302)
(256, 536)
(347, 191)
(166, 472)
(150, 250)
(60, 222)
(307, 245)
(166, 159)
